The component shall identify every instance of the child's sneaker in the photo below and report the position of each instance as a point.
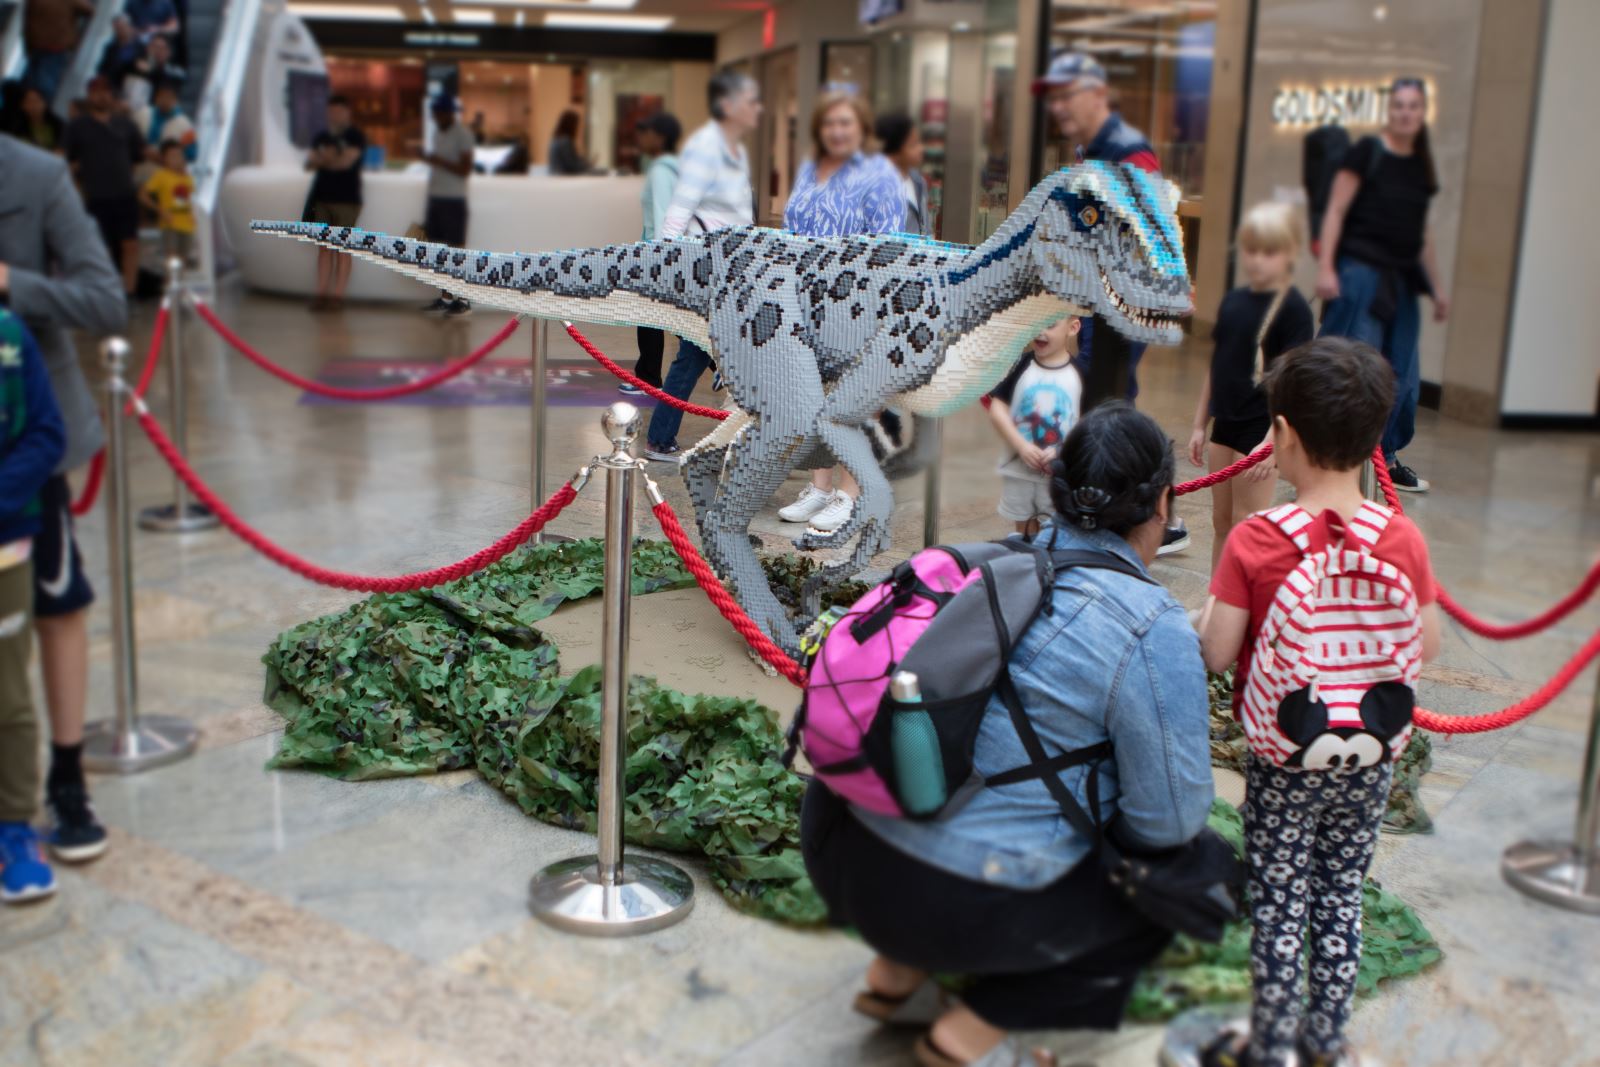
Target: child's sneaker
(76, 836)
(835, 514)
(810, 502)
(24, 874)
(1175, 539)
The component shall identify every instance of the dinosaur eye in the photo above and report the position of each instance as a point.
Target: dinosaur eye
(1089, 215)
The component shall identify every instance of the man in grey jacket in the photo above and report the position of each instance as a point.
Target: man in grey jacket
(55, 275)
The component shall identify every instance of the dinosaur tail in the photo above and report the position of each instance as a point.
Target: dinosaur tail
(401, 252)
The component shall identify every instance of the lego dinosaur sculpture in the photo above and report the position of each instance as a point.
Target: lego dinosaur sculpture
(815, 335)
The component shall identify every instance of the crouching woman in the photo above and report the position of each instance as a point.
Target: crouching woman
(1005, 890)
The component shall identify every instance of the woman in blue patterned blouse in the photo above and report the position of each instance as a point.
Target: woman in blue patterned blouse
(841, 190)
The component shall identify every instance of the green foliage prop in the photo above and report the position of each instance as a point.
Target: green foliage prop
(458, 676)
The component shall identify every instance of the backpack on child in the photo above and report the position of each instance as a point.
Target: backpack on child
(1333, 670)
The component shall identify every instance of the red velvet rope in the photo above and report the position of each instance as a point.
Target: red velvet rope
(1232, 470)
(616, 368)
(335, 392)
(1538, 701)
(724, 601)
(1540, 698)
(1483, 628)
(357, 582)
(97, 466)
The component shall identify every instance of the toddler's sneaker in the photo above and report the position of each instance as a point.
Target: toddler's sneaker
(76, 836)
(24, 874)
(810, 502)
(835, 514)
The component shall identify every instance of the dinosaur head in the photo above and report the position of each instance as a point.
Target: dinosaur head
(1107, 239)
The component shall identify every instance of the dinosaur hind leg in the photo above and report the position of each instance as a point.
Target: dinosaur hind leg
(753, 472)
(702, 464)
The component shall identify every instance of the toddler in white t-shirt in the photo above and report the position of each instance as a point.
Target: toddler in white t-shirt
(1033, 409)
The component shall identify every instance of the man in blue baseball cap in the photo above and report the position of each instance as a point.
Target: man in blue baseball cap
(449, 166)
(1074, 91)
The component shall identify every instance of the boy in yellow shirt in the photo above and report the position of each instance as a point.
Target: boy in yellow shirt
(167, 193)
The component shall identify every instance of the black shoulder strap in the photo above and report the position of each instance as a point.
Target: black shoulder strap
(1049, 770)
(1077, 557)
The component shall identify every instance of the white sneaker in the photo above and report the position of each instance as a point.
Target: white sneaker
(835, 514)
(810, 501)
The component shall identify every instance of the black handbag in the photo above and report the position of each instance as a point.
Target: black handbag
(1194, 889)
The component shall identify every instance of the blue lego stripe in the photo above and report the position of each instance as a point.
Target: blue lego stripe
(1018, 239)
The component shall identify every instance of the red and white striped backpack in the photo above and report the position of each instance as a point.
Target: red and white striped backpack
(1334, 667)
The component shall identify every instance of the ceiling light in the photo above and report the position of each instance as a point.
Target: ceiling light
(361, 12)
(472, 17)
(517, 17)
(561, 20)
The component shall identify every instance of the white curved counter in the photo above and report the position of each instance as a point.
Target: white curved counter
(505, 214)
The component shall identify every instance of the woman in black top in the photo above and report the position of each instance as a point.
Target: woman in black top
(1377, 256)
(564, 157)
(1256, 323)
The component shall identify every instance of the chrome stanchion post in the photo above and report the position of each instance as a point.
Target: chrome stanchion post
(1369, 482)
(541, 416)
(1558, 872)
(604, 894)
(129, 742)
(180, 516)
(930, 485)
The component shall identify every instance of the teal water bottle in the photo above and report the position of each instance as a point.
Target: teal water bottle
(918, 764)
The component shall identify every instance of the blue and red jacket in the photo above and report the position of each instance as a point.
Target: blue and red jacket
(32, 436)
(1117, 142)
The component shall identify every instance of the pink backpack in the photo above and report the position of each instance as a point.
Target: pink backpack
(950, 616)
(1334, 667)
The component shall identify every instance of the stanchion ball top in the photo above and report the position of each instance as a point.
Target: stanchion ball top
(114, 350)
(620, 423)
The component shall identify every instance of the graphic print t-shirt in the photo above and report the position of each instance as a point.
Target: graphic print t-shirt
(1044, 407)
(172, 191)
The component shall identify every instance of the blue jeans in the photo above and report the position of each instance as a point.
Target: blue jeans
(1085, 361)
(1351, 316)
(687, 366)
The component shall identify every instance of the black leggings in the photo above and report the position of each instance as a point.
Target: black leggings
(651, 343)
(1061, 957)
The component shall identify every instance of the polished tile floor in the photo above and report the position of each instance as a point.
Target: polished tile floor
(248, 919)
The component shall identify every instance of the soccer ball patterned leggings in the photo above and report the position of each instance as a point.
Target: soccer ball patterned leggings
(1309, 839)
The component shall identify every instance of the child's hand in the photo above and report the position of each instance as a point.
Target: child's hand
(1197, 447)
(1267, 469)
(1034, 456)
(164, 220)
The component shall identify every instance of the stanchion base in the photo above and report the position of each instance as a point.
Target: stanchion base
(159, 740)
(1189, 1033)
(552, 539)
(165, 519)
(1549, 871)
(568, 895)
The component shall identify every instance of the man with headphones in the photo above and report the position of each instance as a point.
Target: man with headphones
(713, 192)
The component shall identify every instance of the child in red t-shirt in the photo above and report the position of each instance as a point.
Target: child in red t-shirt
(1309, 834)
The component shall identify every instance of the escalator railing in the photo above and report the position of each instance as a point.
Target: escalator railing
(96, 35)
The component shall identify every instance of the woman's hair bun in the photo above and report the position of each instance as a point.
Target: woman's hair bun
(1113, 470)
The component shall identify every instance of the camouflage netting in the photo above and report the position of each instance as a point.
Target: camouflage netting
(459, 676)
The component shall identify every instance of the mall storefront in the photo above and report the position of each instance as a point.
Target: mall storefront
(1226, 91)
(513, 84)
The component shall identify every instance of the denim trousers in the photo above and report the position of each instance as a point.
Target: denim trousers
(1351, 316)
(687, 366)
